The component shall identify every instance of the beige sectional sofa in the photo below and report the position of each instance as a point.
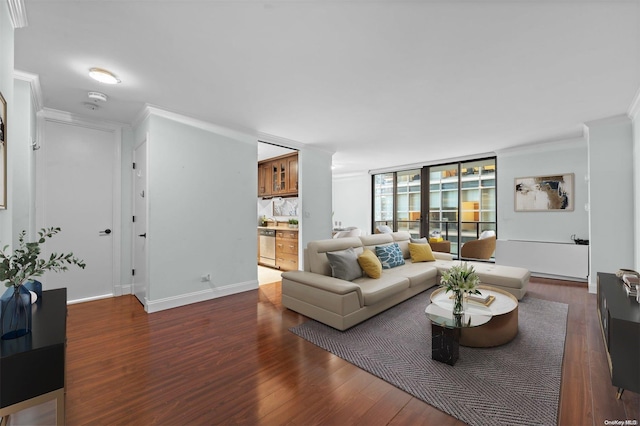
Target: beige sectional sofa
(342, 304)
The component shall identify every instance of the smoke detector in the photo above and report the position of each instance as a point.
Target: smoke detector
(97, 96)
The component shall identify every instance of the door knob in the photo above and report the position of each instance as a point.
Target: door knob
(143, 235)
(105, 232)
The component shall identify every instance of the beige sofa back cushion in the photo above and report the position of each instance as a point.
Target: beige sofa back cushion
(403, 238)
(371, 241)
(316, 252)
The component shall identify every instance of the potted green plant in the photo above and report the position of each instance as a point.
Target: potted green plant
(460, 279)
(293, 223)
(16, 269)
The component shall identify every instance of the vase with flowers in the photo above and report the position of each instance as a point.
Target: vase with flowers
(16, 268)
(461, 280)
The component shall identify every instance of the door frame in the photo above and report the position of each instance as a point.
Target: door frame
(133, 226)
(55, 116)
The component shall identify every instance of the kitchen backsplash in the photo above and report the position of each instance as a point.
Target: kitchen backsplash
(278, 208)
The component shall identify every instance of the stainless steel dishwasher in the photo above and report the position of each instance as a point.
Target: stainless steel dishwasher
(267, 247)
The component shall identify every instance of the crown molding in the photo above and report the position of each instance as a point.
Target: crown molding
(556, 144)
(65, 117)
(615, 119)
(634, 108)
(36, 89)
(430, 163)
(150, 110)
(18, 13)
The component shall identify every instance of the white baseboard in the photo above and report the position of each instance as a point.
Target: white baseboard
(89, 299)
(199, 296)
(123, 289)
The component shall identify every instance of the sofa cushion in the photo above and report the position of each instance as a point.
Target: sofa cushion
(422, 240)
(370, 264)
(371, 241)
(421, 253)
(315, 258)
(375, 291)
(417, 273)
(403, 238)
(344, 264)
(390, 256)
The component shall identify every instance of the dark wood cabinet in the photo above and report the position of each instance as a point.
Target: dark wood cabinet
(619, 316)
(287, 250)
(278, 176)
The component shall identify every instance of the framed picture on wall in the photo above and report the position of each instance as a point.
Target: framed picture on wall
(544, 193)
(3, 152)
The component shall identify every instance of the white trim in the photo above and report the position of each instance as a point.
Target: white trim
(149, 110)
(634, 108)
(66, 118)
(89, 299)
(615, 119)
(18, 13)
(198, 296)
(428, 163)
(70, 118)
(36, 89)
(547, 146)
(133, 227)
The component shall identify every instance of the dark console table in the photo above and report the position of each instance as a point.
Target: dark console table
(32, 367)
(620, 323)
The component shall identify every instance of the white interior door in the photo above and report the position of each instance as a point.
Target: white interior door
(77, 177)
(140, 224)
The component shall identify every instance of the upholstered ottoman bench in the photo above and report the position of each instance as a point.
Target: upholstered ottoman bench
(508, 278)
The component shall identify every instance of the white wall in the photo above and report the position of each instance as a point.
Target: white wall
(314, 175)
(201, 193)
(611, 196)
(22, 201)
(6, 88)
(634, 114)
(352, 201)
(558, 157)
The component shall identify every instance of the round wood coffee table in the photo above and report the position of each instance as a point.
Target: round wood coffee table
(501, 329)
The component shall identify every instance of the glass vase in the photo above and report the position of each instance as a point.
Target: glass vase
(15, 312)
(458, 302)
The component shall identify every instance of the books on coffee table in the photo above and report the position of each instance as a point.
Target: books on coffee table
(484, 299)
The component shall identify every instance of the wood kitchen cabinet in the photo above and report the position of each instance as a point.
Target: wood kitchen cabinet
(264, 179)
(278, 176)
(287, 249)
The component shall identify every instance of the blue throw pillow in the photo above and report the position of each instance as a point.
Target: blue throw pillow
(390, 256)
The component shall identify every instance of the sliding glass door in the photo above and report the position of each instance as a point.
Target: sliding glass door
(460, 200)
(397, 201)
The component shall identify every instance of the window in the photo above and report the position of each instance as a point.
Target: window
(397, 201)
(461, 200)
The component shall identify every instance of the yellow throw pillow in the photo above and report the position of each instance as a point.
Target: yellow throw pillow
(370, 264)
(420, 253)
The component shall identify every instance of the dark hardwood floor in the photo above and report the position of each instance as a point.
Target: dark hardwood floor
(232, 361)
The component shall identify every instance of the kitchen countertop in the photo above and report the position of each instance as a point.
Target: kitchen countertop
(283, 226)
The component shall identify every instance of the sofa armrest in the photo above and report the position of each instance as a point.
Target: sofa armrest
(322, 282)
(442, 256)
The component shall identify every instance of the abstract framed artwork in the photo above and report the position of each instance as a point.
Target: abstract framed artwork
(544, 193)
(3, 152)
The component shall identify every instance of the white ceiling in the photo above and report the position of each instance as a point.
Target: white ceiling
(381, 83)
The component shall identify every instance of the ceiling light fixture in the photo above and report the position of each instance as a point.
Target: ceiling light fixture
(103, 76)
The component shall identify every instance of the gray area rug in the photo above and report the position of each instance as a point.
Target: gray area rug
(515, 384)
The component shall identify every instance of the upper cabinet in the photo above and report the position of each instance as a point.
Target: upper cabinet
(278, 176)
